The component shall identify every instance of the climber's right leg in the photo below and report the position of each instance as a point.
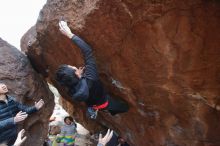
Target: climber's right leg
(117, 106)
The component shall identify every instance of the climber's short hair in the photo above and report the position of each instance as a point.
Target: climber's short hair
(66, 76)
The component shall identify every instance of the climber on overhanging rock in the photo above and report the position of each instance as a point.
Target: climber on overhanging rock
(12, 113)
(83, 83)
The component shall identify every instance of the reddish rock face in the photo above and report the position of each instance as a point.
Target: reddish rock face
(153, 54)
(27, 87)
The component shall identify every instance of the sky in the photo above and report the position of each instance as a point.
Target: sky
(17, 16)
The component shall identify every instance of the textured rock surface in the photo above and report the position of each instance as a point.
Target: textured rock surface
(152, 53)
(28, 87)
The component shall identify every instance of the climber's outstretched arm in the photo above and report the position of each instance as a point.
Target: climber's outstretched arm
(90, 65)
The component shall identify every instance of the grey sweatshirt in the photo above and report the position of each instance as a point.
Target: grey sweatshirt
(68, 130)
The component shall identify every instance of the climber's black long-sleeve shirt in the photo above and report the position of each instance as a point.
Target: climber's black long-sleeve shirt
(89, 89)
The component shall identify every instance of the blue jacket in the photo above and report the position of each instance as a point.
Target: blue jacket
(8, 129)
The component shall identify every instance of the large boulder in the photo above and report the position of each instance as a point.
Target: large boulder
(154, 54)
(27, 87)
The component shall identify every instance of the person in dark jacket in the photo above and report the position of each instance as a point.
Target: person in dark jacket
(83, 83)
(11, 113)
